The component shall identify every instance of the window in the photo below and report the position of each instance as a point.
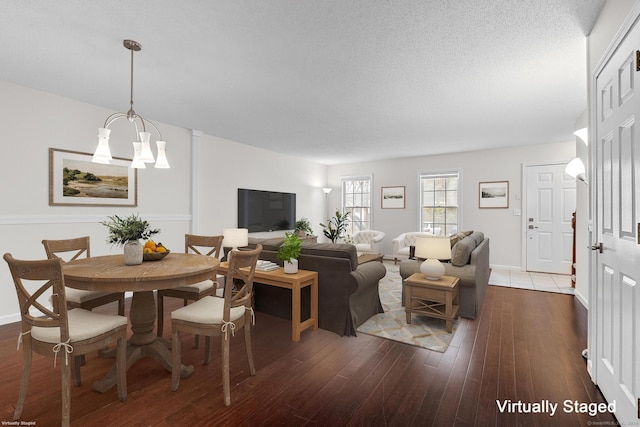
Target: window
(439, 203)
(356, 199)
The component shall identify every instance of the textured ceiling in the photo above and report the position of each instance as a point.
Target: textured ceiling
(332, 81)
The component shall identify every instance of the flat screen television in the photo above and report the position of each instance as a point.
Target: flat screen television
(266, 210)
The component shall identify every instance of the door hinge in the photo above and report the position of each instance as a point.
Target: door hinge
(639, 408)
(637, 60)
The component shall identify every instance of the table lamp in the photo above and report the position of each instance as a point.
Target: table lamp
(235, 238)
(432, 250)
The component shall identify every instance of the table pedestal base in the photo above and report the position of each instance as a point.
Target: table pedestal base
(157, 350)
(143, 342)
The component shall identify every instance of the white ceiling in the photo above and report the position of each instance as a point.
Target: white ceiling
(332, 81)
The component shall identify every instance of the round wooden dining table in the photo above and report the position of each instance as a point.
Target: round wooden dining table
(110, 274)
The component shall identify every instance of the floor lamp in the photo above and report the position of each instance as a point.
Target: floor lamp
(326, 190)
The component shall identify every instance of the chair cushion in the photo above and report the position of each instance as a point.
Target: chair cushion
(403, 251)
(80, 296)
(363, 247)
(207, 311)
(83, 324)
(197, 287)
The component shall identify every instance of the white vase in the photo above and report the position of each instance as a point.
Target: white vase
(133, 252)
(291, 267)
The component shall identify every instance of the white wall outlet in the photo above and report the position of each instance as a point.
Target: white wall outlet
(517, 212)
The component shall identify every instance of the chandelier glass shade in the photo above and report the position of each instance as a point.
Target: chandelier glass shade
(142, 153)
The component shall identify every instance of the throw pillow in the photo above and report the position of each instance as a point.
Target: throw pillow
(455, 238)
(461, 253)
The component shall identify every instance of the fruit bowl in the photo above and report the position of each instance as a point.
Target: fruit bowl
(154, 256)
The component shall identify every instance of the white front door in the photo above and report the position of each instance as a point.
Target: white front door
(551, 201)
(616, 159)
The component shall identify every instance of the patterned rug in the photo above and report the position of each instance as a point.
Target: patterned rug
(392, 324)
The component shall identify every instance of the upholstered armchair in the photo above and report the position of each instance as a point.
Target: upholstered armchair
(368, 241)
(402, 242)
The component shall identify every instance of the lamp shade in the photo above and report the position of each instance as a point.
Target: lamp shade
(235, 237)
(326, 190)
(433, 247)
(575, 168)
(102, 153)
(162, 162)
(583, 134)
(146, 155)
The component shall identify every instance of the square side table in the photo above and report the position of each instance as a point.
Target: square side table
(433, 298)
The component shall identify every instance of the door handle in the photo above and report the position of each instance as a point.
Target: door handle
(597, 247)
(531, 227)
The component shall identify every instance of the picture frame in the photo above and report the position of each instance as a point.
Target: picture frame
(393, 197)
(94, 184)
(493, 195)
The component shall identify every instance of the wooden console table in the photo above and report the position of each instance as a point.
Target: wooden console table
(295, 282)
(433, 298)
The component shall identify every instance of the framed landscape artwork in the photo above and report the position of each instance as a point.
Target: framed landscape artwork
(75, 180)
(392, 197)
(494, 195)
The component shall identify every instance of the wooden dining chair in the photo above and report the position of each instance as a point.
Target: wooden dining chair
(202, 245)
(60, 333)
(212, 316)
(71, 249)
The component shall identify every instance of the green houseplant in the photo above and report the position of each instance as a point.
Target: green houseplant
(303, 227)
(289, 251)
(335, 226)
(127, 231)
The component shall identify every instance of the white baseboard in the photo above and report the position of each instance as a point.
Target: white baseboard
(584, 301)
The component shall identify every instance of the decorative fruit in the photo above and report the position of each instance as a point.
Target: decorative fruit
(152, 247)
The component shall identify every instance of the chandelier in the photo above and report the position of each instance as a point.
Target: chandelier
(141, 147)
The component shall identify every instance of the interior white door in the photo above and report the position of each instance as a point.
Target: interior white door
(616, 264)
(551, 201)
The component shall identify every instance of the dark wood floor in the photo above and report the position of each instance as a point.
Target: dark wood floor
(525, 346)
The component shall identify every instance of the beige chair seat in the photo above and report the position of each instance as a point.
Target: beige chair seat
(207, 311)
(83, 324)
(205, 285)
(79, 296)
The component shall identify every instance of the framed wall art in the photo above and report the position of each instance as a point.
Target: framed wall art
(494, 195)
(392, 197)
(75, 180)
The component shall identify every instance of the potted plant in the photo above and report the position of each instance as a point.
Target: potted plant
(289, 251)
(303, 227)
(335, 226)
(127, 231)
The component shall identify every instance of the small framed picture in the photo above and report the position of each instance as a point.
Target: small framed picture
(494, 195)
(75, 180)
(392, 197)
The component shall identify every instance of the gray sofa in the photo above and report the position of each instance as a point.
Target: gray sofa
(469, 262)
(347, 292)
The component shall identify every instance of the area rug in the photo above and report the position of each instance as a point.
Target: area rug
(392, 324)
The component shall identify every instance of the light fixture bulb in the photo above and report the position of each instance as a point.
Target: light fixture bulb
(136, 162)
(146, 155)
(162, 162)
(102, 153)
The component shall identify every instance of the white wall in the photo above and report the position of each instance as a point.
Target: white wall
(230, 166)
(500, 225)
(33, 121)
